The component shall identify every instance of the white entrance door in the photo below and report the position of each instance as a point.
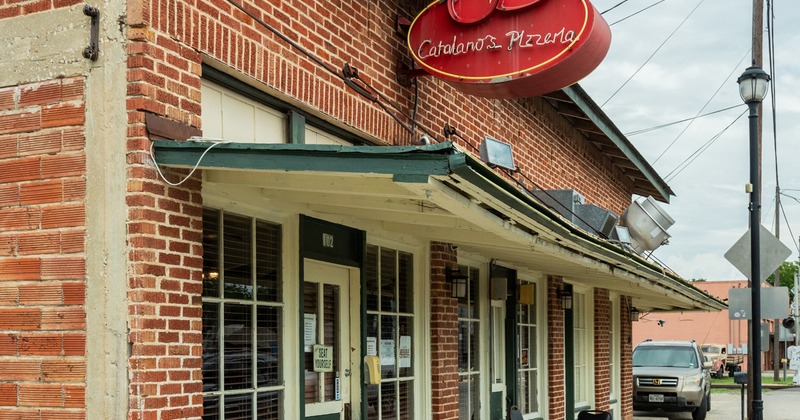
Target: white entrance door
(329, 347)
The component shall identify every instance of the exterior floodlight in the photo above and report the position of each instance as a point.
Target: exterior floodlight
(753, 85)
(496, 153)
(621, 234)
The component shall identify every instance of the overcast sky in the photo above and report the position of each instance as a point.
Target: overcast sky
(695, 72)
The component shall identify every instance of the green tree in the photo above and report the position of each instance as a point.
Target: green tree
(787, 272)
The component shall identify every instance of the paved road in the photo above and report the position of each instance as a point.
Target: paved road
(781, 404)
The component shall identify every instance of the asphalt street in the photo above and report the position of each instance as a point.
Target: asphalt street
(783, 404)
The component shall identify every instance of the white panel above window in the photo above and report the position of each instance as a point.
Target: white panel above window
(317, 136)
(230, 116)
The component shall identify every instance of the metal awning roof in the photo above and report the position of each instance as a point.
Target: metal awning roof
(436, 193)
(574, 104)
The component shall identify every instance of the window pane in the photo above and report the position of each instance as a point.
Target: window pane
(268, 335)
(211, 408)
(239, 406)
(372, 402)
(406, 276)
(388, 347)
(268, 254)
(473, 346)
(463, 347)
(405, 355)
(211, 341)
(406, 400)
(371, 275)
(268, 405)
(331, 327)
(210, 252)
(389, 400)
(238, 369)
(388, 280)
(238, 281)
(310, 307)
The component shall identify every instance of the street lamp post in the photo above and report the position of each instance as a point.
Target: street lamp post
(753, 84)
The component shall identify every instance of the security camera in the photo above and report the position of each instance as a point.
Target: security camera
(661, 322)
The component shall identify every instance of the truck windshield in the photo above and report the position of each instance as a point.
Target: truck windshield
(665, 356)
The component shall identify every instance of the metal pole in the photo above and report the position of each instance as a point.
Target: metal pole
(776, 282)
(755, 261)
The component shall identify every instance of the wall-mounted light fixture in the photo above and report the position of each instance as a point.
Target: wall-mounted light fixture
(458, 282)
(565, 295)
(634, 314)
(496, 153)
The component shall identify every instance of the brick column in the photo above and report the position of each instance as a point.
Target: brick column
(555, 350)
(444, 335)
(602, 349)
(626, 357)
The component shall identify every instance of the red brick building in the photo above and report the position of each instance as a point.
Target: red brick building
(298, 258)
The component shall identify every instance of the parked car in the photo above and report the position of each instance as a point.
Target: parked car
(722, 360)
(671, 376)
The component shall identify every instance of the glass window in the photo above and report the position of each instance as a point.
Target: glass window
(469, 348)
(529, 375)
(583, 348)
(390, 331)
(242, 317)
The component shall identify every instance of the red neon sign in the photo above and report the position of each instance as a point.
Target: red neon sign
(509, 48)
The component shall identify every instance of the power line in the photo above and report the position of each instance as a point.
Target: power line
(633, 14)
(614, 6)
(683, 165)
(703, 107)
(658, 127)
(654, 53)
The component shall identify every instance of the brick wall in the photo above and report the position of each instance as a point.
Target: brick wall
(168, 40)
(165, 285)
(42, 255)
(444, 335)
(12, 9)
(626, 357)
(602, 349)
(555, 350)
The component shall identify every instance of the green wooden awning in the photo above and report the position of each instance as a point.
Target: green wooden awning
(437, 193)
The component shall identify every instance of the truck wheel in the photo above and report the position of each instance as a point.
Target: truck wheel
(700, 412)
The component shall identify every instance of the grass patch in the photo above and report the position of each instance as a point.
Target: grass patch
(764, 380)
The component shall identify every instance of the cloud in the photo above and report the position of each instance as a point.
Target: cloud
(698, 68)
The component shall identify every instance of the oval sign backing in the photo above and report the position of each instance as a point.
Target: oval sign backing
(539, 47)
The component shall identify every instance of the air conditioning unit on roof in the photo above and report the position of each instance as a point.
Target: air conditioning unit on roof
(595, 219)
(571, 205)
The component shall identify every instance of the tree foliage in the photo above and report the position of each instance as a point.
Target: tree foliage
(787, 271)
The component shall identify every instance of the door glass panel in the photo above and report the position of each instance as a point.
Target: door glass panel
(389, 400)
(388, 347)
(371, 278)
(528, 364)
(311, 312)
(331, 328)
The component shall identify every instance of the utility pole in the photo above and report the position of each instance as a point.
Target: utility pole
(776, 348)
(754, 403)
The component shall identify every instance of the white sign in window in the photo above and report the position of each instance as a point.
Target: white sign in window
(323, 358)
(309, 331)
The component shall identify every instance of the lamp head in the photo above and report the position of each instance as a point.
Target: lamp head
(753, 84)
